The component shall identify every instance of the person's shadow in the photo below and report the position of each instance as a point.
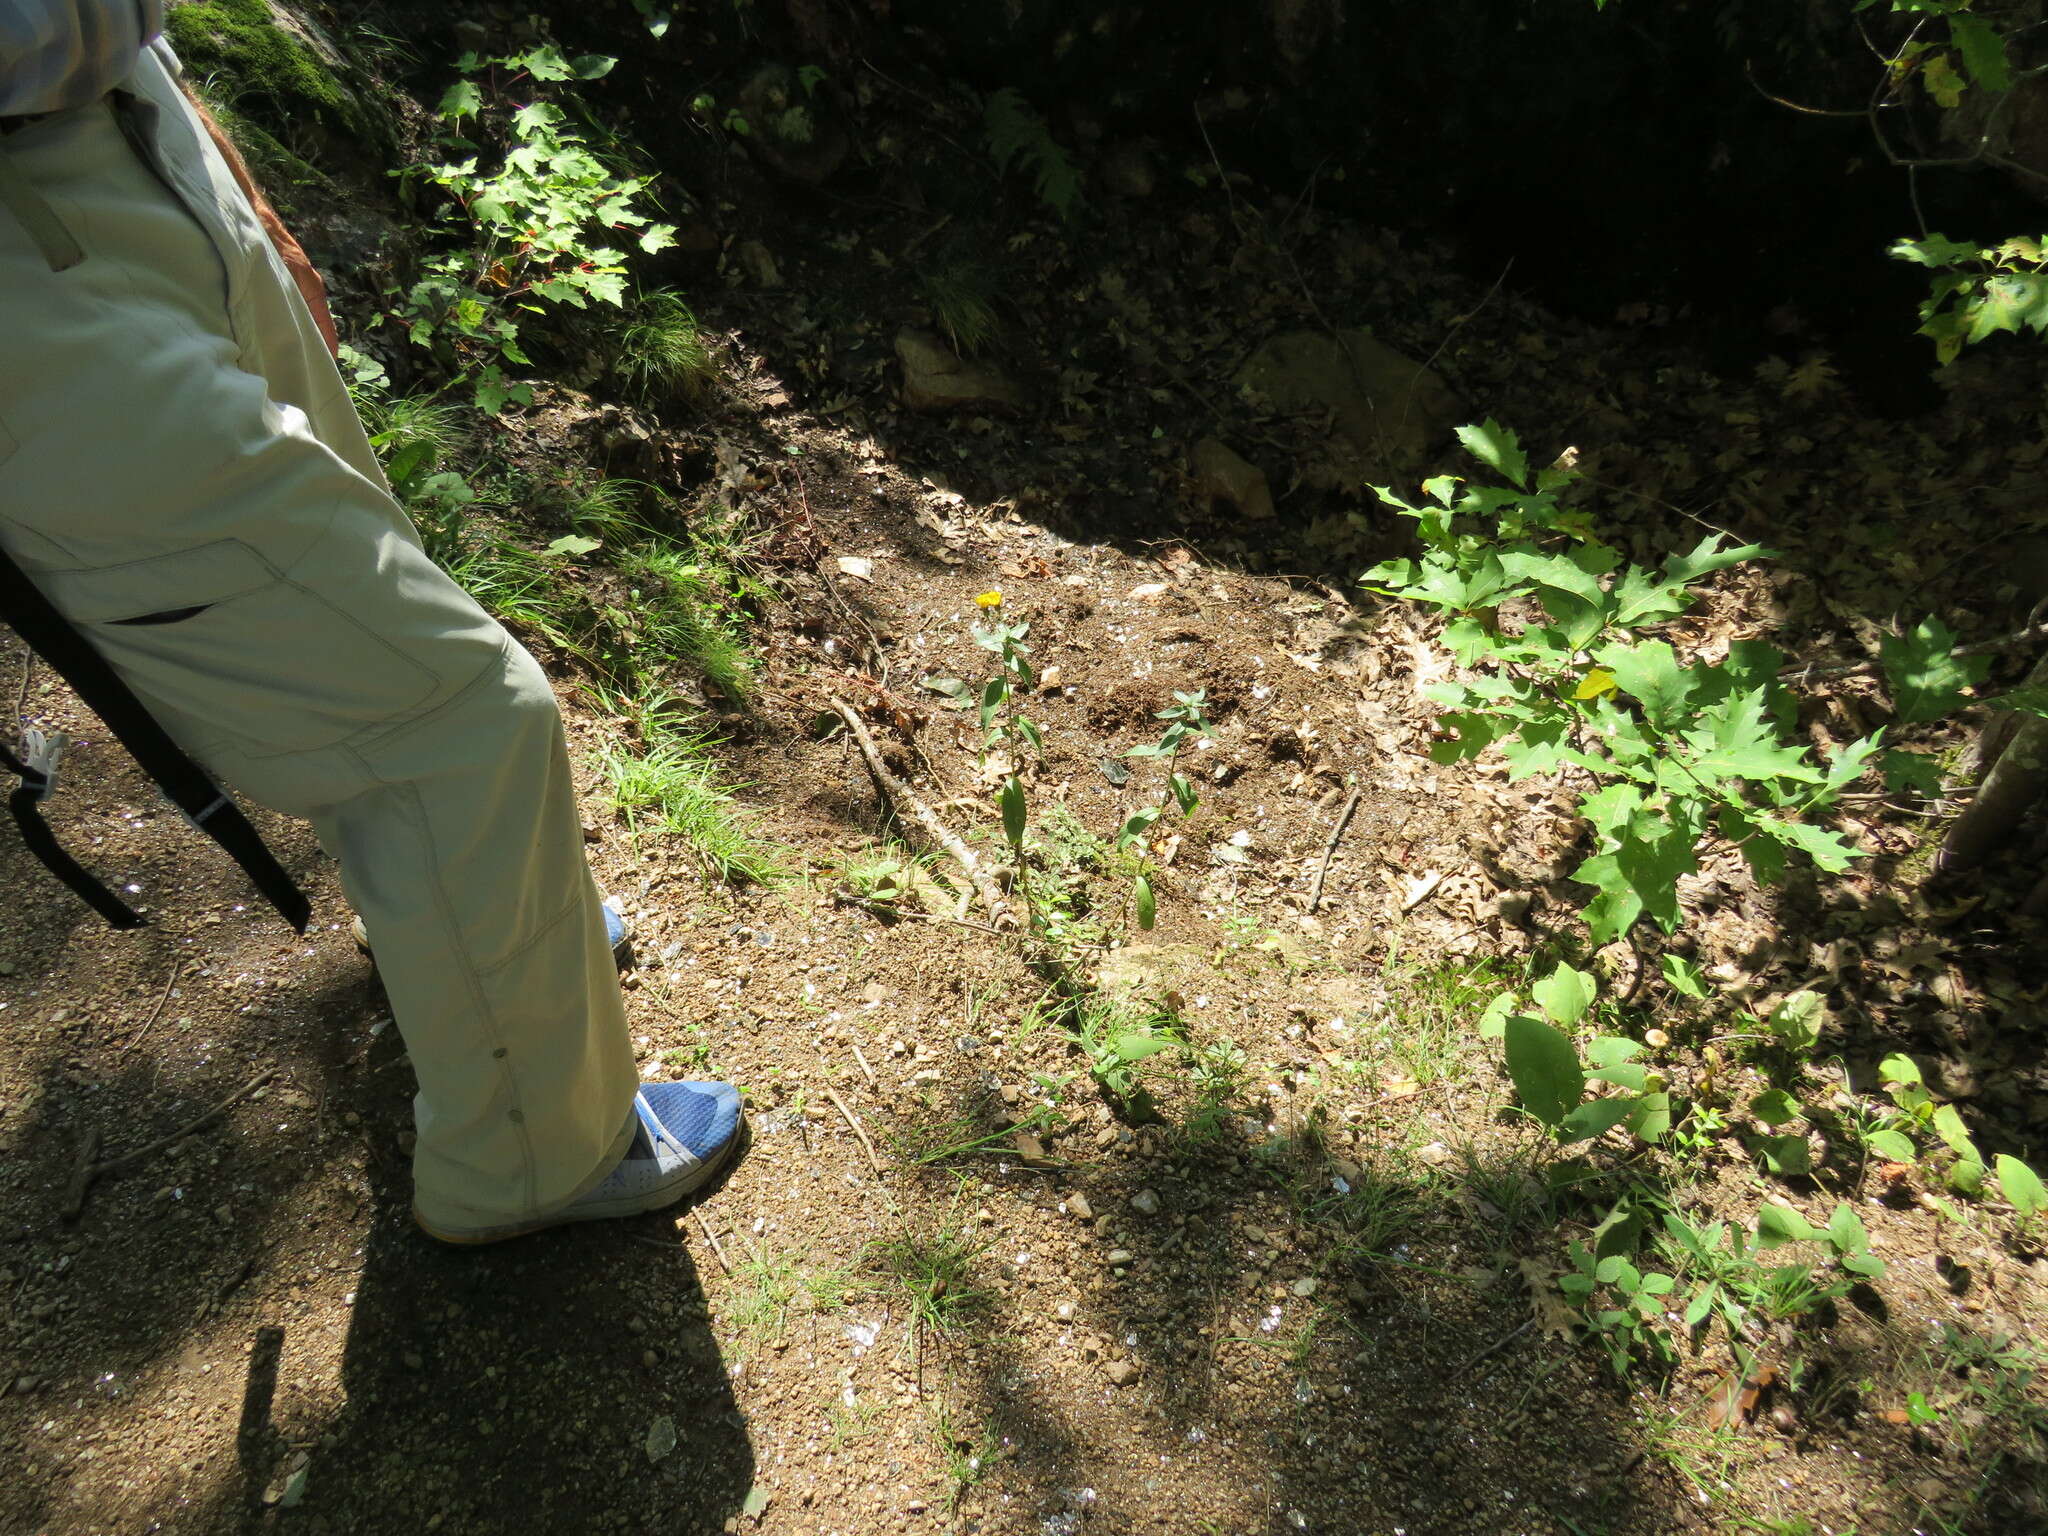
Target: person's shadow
(564, 1382)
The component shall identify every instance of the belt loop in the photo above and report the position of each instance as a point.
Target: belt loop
(19, 196)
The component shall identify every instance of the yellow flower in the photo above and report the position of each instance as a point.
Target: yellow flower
(988, 599)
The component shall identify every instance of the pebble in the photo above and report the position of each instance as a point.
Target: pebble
(1077, 1205)
(1119, 1256)
(1305, 1286)
(1121, 1372)
(1146, 1202)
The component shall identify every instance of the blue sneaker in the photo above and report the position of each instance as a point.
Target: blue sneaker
(685, 1134)
(615, 930)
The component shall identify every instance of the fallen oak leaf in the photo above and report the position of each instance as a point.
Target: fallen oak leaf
(1554, 1317)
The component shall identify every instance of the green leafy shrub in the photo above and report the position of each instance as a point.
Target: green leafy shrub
(533, 228)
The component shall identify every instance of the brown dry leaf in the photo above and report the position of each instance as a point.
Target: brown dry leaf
(1553, 1316)
(1416, 891)
(1733, 1399)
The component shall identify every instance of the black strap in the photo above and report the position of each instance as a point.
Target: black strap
(25, 803)
(50, 635)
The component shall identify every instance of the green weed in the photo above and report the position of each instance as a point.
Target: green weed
(935, 1269)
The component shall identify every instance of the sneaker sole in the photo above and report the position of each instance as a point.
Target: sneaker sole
(705, 1173)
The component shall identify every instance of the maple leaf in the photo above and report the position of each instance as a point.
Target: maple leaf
(1810, 380)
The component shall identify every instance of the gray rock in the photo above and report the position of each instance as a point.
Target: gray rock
(758, 263)
(661, 1438)
(1127, 171)
(1220, 476)
(1146, 1202)
(792, 130)
(1389, 408)
(935, 378)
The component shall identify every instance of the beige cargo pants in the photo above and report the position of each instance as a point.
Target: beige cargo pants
(173, 435)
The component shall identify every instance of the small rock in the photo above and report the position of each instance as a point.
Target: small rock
(661, 1438)
(793, 129)
(1305, 1286)
(1127, 171)
(1118, 1257)
(1435, 1154)
(1389, 408)
(1121, 1373)
(1513, 906)
(1011, 1093)
(758, 264)
(1146, 1202)
(937, 379)
(414, 1361)
(1220, 475)
(1077, 1205)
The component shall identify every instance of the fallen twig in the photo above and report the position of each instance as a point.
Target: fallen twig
(1813, 672)
(901, 795)
(866, 1145)
(81, 1174)
(876, 659)
(867, 1071)
(1315, 895)
(1499, 1344)
(113, 1164)
(155, 1013)
(711, 1237)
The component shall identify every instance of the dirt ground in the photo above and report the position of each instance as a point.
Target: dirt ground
(1316, 1292)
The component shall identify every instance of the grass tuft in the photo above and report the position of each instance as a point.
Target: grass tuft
(660, 350)
(672, 785)
(935, 1269)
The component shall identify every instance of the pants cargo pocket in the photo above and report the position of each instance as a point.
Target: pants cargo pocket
(221, 637)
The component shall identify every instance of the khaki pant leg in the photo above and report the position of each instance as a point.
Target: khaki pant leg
(334, 672)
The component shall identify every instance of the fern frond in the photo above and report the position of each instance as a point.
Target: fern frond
(1018, 136)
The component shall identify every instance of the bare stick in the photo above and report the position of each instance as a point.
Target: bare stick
(155, 1013)
(126, 1158)
(1498, 1344)
(711, 1237)
(81, 1174)
(901, 795)
(866, 1145)
(1315, 896)
(865, 1068)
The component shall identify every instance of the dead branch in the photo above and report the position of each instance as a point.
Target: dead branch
(866, 1145)
(903, 797)
(1315, 895)
(87, 1170)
